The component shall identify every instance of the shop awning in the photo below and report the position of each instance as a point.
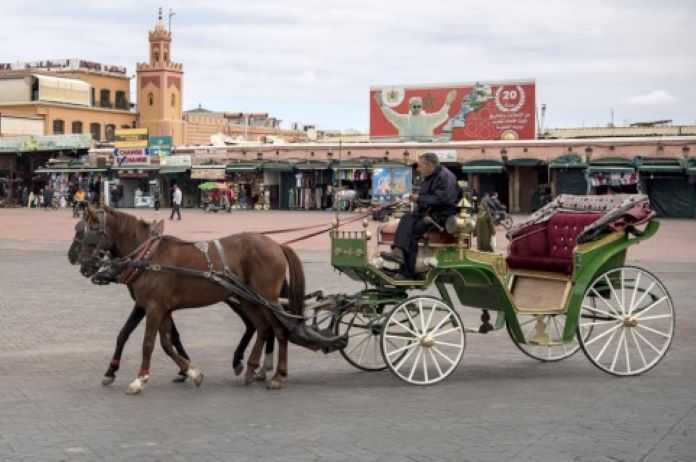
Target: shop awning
(70, 170)
(352, 165)
(135, 169)
(243, 167)
(483, 166)
(524, 162)
(305, 166)
(568, 161)
(173, 170)
(277, 167)
(657, 165)
(592, 169)
(390, 165)
(208, 172)
(691, 166)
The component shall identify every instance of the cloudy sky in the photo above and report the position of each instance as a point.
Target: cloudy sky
(313, 61)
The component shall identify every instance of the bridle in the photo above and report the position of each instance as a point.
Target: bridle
(97, 236)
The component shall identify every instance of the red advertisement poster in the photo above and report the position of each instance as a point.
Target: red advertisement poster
(474, 111)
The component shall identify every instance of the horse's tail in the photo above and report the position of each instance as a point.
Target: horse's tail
(296, 286)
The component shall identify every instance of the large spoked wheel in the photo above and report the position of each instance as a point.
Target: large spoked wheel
(632, 319)
(423, 340)
(543, 335)
(363, 350)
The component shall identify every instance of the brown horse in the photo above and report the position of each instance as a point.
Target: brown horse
(138, 314)
(257, 261)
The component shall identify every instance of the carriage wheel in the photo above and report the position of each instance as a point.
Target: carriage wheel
(428, 348)
(632, 319)
(363, 331)
(551, 348)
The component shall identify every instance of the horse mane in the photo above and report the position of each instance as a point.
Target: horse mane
(128, 224)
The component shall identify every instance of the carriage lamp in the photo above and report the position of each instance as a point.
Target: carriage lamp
(368, 233)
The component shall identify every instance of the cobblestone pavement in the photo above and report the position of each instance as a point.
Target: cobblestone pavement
(58, 332)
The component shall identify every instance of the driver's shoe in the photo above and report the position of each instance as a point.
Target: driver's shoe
(396, 255)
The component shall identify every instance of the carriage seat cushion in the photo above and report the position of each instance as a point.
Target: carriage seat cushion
(387, 231)
(549, 246)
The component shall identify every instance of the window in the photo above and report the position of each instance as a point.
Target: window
(110, 132)
(58, 127)
(151, 99)
(93, 96)
(77, 127)
(121, 101)
(173, 100)
(166, 57)
(105, 98)
(125, 126)
(156, 56)
(95, 130)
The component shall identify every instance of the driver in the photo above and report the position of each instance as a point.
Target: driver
(437, 200)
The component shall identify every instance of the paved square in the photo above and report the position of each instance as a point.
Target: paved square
(58, 331)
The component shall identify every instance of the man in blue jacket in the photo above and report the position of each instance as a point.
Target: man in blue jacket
(436, 200)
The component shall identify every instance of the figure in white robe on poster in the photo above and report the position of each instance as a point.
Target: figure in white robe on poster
(416, 123)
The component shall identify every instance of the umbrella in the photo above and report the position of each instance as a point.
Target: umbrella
(210, 185)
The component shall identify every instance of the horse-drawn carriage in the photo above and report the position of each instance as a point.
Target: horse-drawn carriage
(564, 285)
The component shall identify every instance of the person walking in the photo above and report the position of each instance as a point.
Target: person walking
(177, 197)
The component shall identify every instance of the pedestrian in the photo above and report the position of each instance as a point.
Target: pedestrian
(25, 195)
(177, 196)
(156, 195)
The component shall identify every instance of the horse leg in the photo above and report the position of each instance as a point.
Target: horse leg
(268, 359)
(238, 358)
(280, 377)
(153, 319)
(262, 331)
(179, 347)
(165, 332)
(132, 322)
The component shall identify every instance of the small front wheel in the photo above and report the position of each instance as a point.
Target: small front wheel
(363, 330)
(423, 340)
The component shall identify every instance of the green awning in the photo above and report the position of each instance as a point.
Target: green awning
(389, 165)
(277, 167)
(70, 170)
(135, 167)
(483, 166)
(568, 161)
(661, 168)
(524, 162)
(609, 169)
(173, 170)
(242, 167)
(691, 166)
(305, 166)
(352, 165)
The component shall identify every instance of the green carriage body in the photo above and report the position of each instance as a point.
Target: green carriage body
(482, 279)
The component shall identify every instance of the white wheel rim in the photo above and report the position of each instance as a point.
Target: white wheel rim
(363, 340)
(556, 349)
(632, 320)
(427, 349)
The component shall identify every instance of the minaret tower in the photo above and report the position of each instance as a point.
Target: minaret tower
(160, 87)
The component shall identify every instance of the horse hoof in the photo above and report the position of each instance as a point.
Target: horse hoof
(238, 369)
(136, 386)
(275, 385)
(195, 375)
(108, 380)
(179, 379)
(260, 376)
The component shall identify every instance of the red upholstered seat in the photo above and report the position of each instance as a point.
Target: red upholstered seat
(549, 246)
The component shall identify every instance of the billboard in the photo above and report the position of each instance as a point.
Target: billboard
(390, 183)
(458, 112)
(131, 138)
(160, 145)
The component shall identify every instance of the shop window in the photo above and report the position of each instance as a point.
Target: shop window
(77, 127)
(105, 98)
(151, 99)
(110, 132)
(58, 127)
(121, 101)
(95, 131)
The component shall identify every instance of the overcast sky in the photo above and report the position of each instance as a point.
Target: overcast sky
(313, 61)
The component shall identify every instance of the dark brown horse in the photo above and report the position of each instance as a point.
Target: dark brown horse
(256, 260)
(138, 314)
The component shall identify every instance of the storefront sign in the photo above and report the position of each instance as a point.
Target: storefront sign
(208, 174)
(446, 155)
(478, 111)
(45, 143)
(178, 160)
(132, 156)
(160, 146)
(131, 138)
(69, 64)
